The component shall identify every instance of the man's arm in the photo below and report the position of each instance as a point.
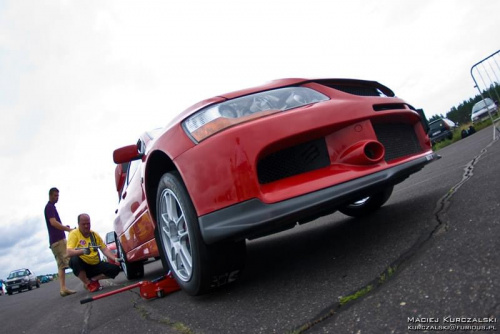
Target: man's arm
(59, 225)
(72, 244)
(74, 252)
(106, 251)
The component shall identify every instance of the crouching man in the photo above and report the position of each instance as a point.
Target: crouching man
(82, 249)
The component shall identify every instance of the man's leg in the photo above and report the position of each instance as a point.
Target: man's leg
(59, 250)
(99, 277)
(104, 270)
(77, 265)
(83, 271)
(62, 278)
(83, 277)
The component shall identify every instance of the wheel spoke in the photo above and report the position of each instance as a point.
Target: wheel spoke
(165, 226)
(175, 235)
(185, 258)
(180, 224)
(171, 207)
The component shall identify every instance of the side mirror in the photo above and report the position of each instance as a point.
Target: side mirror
(126, 154)
(120, 173)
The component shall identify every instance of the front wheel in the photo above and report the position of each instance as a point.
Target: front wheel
(367, 205)
(132, 270)
(198, 268)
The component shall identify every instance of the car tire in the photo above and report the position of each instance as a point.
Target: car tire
(132, 270)
(37, 284)
(197, 267)
(9, 292)
(367, 205)
(29, 286)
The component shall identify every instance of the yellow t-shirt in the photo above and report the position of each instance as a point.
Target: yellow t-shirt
(77, 240)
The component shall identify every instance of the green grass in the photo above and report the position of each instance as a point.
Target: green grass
(356, 295)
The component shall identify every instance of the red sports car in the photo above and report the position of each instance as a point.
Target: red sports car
(258, 161)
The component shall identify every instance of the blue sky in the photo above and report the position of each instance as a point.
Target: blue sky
(81, 78)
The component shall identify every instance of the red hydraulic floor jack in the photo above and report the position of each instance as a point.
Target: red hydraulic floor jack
(156, 288)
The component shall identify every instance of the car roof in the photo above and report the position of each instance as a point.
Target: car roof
(487, 99)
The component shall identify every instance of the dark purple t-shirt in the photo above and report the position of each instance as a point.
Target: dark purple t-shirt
(54, 234)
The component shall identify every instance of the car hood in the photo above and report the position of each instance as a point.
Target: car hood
(15, 279)
(273, 85)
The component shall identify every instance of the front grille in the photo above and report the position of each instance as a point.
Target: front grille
(292, 161)
(399, 139)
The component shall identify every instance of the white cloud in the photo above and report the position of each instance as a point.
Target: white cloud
(81, 78)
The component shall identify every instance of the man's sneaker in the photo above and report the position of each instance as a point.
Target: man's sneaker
(66, 292)
(94, 286)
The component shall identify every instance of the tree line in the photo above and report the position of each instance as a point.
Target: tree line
(461, 114)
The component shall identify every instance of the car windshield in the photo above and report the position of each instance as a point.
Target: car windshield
(15, 274)
(481, 104)
(436, 125)
(478, 106)
(110, 237)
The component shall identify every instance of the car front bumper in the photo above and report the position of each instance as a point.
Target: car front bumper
(484, 114)
(17, 287)
(253, 218)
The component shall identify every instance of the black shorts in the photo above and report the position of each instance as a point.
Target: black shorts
(108, 269)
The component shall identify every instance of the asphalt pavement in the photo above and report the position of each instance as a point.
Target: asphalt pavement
(450, 281)
(427, 258)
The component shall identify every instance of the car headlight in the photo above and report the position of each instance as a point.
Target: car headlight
(217, 117)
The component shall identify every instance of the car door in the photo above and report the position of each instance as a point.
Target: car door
(132, 212)
(29, 275)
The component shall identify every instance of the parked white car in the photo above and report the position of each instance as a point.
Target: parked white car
(21, 279)
(483, 109)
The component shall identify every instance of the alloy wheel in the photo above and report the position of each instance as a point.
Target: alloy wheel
(174, 234)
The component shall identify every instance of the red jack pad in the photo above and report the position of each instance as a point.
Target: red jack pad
(159, 287)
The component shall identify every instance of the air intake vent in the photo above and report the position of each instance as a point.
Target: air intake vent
(399, 139)
(357, 90)
(357, 87)
(389, 106)
(292, 161)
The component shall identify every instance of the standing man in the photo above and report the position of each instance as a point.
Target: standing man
(57, 239)
(83, 250)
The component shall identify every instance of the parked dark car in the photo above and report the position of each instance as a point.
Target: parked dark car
(440, 130)
(255, 162)
(21, 279)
